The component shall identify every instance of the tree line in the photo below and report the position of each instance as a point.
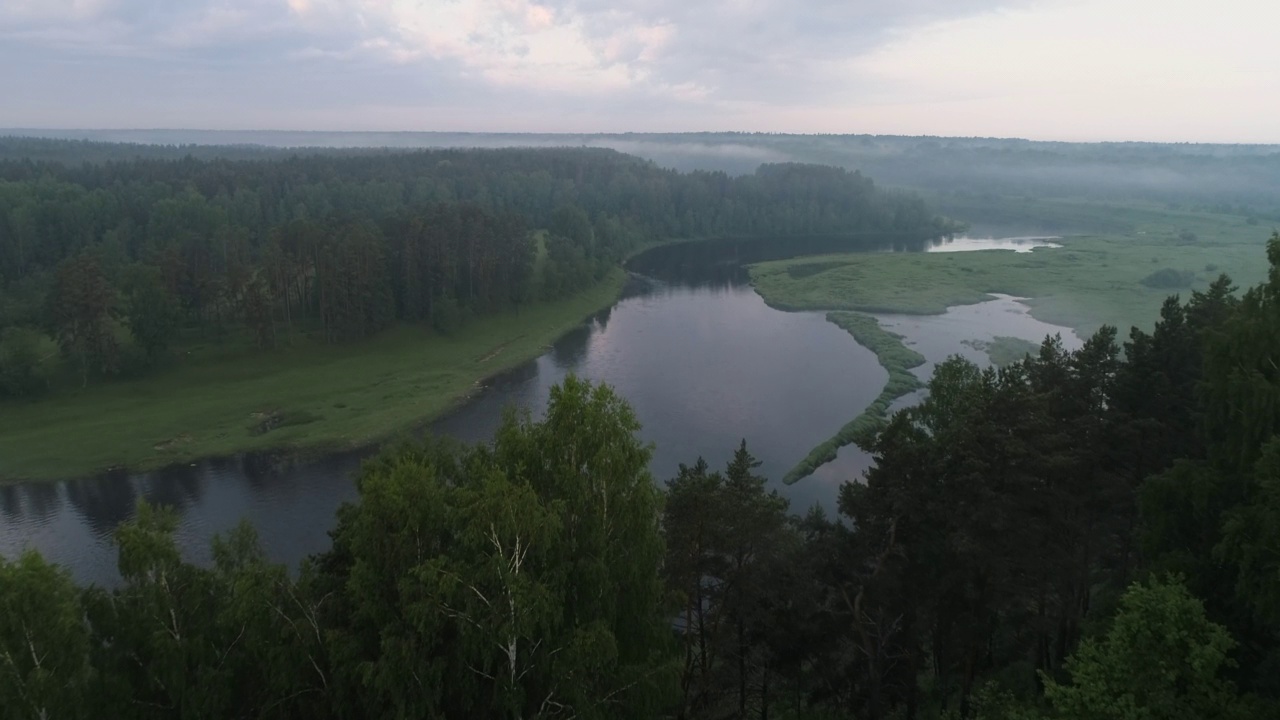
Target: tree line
(107, 264)
(1080, 535)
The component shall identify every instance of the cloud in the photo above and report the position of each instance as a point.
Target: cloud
(1160, 70)
(1020, 67)
(714, 51)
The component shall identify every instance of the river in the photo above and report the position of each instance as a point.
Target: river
(704, 362)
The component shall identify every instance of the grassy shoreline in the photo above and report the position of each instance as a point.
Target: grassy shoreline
(1095, 279)
(308, 397)
(1091, 281)
(1004, 350)
(896, 358)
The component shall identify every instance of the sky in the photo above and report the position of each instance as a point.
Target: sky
(1161, 70)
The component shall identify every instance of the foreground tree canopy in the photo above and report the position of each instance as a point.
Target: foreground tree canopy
(519, 579)
(1080, 535)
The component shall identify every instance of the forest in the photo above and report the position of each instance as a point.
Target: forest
(995, 174)
(1078, 535)
(110, 255)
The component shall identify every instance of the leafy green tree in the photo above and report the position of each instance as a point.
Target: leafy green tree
(692, 528)
(22, 371)
(726, 536)
(81, 303)
(1251, 538)
(514, 581)
(1242, 381)
(571, 222)
(44, 643)
(152, 312)
(1161, 659)
(255, 305)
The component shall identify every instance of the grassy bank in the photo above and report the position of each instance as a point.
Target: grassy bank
(894, 357)
(1004, 350)
(306, 396)
(1092, 280)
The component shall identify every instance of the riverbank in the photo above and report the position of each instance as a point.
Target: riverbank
(1112, 279)
(309, 396)
(894, 357)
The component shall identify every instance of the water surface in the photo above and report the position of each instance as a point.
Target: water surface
(966, 243)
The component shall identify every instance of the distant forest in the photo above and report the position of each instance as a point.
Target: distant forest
(1236, 179)
(112, 255)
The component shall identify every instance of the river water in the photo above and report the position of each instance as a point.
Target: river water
(704, 362)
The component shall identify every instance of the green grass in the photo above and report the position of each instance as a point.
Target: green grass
(1091, 281)
(896, 358)
(1004, 350)
(319, 396)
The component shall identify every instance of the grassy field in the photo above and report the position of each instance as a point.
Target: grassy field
(1092, 280)
(306, 396)
(894, 357)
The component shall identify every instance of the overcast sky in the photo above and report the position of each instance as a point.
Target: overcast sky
(1173, 70)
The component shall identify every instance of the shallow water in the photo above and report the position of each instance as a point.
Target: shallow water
(704, 362)
(965, 243)
(938, 337)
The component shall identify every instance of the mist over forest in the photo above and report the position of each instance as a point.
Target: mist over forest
(1236, 178)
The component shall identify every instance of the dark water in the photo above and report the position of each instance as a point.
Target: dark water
(704, 362)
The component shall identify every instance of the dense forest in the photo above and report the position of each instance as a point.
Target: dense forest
(106, 262)
(1236, 179)
(1081, 535)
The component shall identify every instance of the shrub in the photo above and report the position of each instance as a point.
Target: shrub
(1168, 279)
(21, 370)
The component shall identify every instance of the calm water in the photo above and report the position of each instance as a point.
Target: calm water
(966, 243)
(704, 362)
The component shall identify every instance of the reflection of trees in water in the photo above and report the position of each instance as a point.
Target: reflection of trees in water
(104, 501)
(178, 487)
(571, 349)
(10, 503)
(636, 286)
(285, 470)
(261, 469)
(601, 319)
(30, 501)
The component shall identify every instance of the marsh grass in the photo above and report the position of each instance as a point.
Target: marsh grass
(1004, 350)
(1091, 281)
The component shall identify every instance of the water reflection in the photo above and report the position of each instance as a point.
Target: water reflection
(104, 501)
(964, 243)
(35, 501)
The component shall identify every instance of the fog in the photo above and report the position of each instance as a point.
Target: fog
(1238, 178)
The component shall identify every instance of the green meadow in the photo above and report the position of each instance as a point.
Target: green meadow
(222, 399)
(1094, 279)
